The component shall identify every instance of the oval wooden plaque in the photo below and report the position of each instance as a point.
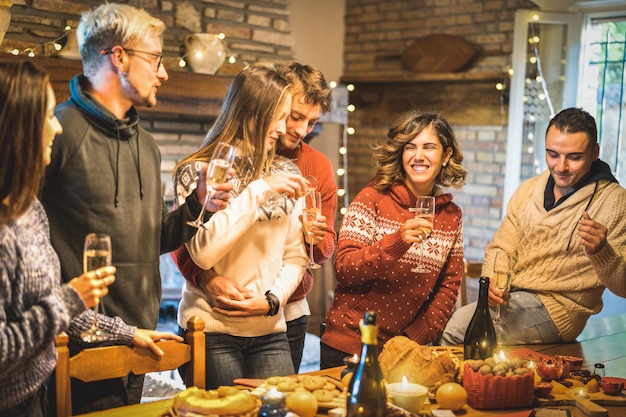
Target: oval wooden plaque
(438, 53)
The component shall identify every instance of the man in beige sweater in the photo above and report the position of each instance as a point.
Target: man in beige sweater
(565, 236)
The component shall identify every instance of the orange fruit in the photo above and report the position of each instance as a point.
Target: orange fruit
(302, 402)
(451, 396)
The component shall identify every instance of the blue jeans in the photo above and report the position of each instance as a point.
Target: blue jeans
(296, 332)
(230, 357)
(525, 321)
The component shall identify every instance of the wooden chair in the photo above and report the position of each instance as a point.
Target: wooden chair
(470, 270)
(100, 363)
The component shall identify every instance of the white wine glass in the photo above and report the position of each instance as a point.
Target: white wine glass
(216, 173)
(501, 280)
(312, 209)
(96, 254)
(270, 199)
(311, 184)
(424, 209)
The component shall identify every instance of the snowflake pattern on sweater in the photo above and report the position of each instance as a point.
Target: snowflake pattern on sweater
(373, 270)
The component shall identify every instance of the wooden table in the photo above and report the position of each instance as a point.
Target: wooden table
(604, 341)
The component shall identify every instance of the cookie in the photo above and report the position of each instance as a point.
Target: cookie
(312, 382)
(323, 395)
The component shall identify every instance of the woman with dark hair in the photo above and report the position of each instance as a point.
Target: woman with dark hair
(34, 307)
(379, 241)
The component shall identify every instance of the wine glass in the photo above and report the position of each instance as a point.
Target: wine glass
(216, 173)
(425, 209)
(312, 208)
(270, 199)
(501, 280)
(96, 254)
(311, 182)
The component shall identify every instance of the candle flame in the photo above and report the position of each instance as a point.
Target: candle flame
(355, 357)
(405, 382)
(502, 355)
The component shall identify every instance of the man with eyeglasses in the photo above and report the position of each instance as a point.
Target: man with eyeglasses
(563, 235)
(105, 176)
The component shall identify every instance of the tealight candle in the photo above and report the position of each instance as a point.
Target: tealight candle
(407, 395)
(351, 363)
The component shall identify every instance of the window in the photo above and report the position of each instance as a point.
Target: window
(602, 87)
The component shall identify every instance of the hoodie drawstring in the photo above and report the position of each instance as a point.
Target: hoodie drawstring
(137, 161)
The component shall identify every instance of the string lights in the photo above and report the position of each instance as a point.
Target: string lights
(57, 44)
(342, 170)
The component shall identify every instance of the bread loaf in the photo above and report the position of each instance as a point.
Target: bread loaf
(419, 364)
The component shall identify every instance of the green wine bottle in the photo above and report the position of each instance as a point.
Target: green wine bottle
(367, 396)
(480, 336)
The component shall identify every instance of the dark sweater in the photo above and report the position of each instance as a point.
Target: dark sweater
(105, 176)
(33, 307)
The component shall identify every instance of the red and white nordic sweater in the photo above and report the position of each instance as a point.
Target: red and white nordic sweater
(373, 270)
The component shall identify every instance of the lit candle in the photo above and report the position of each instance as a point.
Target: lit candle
(532, 366)
(407, 395)
(582, 394)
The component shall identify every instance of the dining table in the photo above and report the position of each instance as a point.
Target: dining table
(603, 341)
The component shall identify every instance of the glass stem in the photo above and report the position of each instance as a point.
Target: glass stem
(311, 248)
(95, 316)
(421, 254)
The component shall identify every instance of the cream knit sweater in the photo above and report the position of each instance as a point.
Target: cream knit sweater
(570, 283)
(260, 249)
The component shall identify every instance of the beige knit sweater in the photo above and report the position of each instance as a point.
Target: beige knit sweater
(570, 283)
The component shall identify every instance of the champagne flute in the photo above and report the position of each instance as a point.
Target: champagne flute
(96, 254)
(502, 280)
(311, 182)
(270, 200)
(425, 209)
(312, 208)
(217, 173)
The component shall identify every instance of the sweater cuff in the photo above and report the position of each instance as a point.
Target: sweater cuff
(187, 267)
(73, 303)
(397, 247)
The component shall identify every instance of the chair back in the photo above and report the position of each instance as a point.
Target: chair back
(107, 362)
(471, 269)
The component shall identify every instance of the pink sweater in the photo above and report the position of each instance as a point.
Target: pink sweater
(373, 270)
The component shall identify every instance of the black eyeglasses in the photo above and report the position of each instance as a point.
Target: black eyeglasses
(158, 61)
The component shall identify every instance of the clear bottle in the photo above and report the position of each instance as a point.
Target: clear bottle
(367, 396)
(480, 336)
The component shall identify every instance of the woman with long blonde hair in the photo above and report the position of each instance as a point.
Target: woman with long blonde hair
(257, 251)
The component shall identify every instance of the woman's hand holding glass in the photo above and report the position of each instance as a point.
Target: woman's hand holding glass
(93, 285)
(218, 170)
(424, 216)
(97, 253)
(282, 185)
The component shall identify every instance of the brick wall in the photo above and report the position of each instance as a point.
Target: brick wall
(256, 31)
(377, 32)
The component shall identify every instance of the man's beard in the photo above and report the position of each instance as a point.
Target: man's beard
(133, 93)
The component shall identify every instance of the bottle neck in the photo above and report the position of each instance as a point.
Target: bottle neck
(483, 293)
(369, 334)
